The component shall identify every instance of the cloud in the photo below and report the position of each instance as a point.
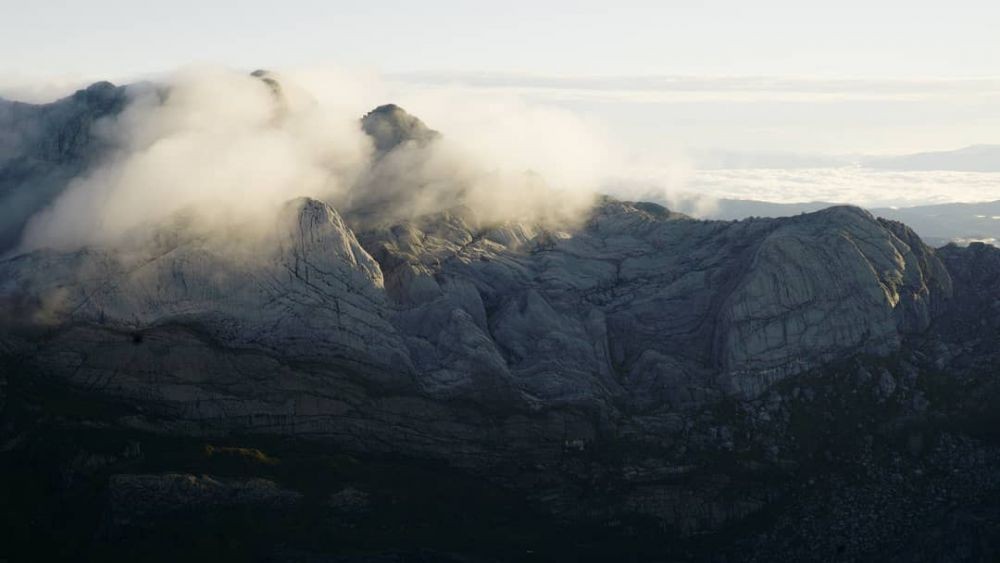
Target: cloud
(213, 143)
(847, 184)
(528, 159)
(225, 150)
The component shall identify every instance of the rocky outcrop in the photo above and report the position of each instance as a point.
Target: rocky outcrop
(824, 284)
(486, 346)
(639, 298)
(314, 294)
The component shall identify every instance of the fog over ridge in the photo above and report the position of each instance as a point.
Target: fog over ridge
(227, 149)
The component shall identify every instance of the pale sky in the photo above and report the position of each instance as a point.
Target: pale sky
(818, 77)
(787, 37)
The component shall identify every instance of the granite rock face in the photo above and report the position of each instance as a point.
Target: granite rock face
(636, 304)
(828, 283)
(390, 126)
(639, 299)
(317, 295)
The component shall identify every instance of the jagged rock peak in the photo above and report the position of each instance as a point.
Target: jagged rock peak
(99, 87)
(99, 93)
(390, 126)
(270, 79)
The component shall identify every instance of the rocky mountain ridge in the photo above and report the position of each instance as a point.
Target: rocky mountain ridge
(593, 367)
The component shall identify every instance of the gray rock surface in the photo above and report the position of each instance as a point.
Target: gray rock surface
(638, 295)
(637, 304)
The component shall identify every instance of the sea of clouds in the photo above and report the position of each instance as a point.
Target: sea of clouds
(847, 184)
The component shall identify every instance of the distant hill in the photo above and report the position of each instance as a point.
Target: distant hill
(977, 158)
(950, 222)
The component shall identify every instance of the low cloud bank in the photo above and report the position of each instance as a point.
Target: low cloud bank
(847, 184)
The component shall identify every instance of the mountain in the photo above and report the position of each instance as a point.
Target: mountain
(390, 126)
(637, 384)
(977, 158)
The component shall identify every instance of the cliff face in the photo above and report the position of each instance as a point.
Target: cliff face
(635, 305)
(825, 283)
